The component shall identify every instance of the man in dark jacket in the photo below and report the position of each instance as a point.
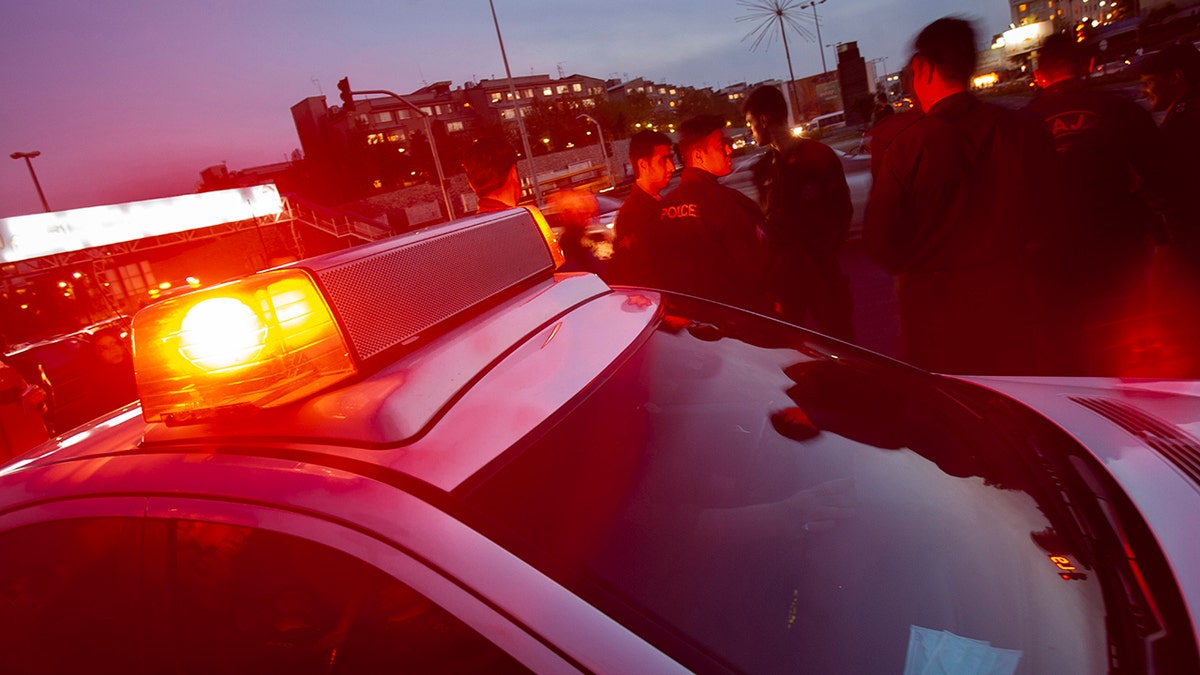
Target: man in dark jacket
(1171, 83)
(806, 203)
(1112, 166)
(491, 167)
(954, 213)
(709, 241)
(650, 155)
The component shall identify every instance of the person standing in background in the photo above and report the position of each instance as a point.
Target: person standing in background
(806, 203)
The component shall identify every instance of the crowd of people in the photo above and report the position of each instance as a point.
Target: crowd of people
(1055, 239)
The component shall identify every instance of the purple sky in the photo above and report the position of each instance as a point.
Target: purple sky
(131, 99)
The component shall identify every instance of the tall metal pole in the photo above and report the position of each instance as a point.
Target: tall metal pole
(28, 156)
(612, 180)
(791, 75)
(817, 22)
(512, 90)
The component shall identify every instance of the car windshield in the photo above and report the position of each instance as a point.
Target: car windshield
(788, 508)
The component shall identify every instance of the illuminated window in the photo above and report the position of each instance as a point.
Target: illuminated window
(382, 117)
(561, 89)
(508, 96)
(426, 110)
(451, 127)
(577, 87)
(528, 93)
(135, 278)
(403, 114)
(496, 96)
(507, 114)
(1022, 7)
(547, 92)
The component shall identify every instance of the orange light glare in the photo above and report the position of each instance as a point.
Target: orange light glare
(221, 333)
(261, 342)
(1062, 563)
(556, 251)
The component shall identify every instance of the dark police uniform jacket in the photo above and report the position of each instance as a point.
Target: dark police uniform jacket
(630, 263)
(807, 207)
(1181, 126)
(1113, 168)
(957, 208)
(709, 243)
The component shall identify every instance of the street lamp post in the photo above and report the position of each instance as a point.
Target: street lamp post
(437, 162)
(603, 153)
(28, 156)
(817, 22)
(512, 90)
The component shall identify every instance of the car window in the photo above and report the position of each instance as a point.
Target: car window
(181, 596)
(773, 501)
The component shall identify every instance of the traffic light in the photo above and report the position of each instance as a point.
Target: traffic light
(347, 97)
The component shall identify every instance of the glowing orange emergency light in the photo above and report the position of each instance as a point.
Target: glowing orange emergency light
(556, 251)
(282, 335)
(260, 342)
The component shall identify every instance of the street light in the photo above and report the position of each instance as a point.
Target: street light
(28, 156)
(348, 96)
(512, 90)
(817, 22)
(603, 153)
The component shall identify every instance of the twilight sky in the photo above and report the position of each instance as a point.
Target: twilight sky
(131, 99)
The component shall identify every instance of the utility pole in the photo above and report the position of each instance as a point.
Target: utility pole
(512, 90)
(28, 156)
(612, 180)
(813, 4)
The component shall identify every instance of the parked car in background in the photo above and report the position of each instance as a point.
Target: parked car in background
(823, 123)
(86, 373)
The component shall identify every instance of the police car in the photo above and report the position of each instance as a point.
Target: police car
(435, 454)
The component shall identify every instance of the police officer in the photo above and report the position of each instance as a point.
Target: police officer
(1171, 83)
(806, 203)
(491, 167)
(650, 155)
(953, 213)
(1112, 165)
(709, 241)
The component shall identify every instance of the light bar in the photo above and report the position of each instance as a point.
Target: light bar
(282, 335)
(260, 342)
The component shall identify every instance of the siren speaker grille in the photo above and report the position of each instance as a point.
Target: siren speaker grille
(389, 297)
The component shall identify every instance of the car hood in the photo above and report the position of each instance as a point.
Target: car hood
(1146, 433)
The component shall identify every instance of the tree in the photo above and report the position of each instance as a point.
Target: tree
(707, 102)
(620, 117)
